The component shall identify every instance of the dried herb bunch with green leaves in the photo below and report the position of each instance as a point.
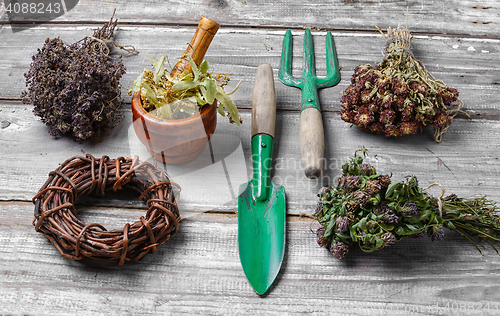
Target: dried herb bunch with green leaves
(75, 88)
(398, 96)
(183, 95)
(368, 209)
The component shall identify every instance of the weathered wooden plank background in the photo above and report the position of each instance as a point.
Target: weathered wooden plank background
(198, 270)
(451, 17)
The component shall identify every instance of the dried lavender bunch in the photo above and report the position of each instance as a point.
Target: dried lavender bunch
(75, 88)
(367, 209)
(398, 96)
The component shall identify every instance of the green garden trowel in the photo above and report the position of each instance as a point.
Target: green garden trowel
(261, 203)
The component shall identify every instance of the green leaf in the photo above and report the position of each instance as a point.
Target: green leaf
(163, 109)
(194, 68)
(400, 231)
(353, 234)
(345, 168)
(391, 189)
(353, 170)
(187, 76)
(386, 226)
(150, 94)
(362, 224)
(344, 236)
(170, 78)
(185, 85)
(211, 90)
(343, 209)
(220, 109)
(449, 225)
(199, 97)
(153, 59)
(416, 219)
(159, 68)
(228, 104)
(329, 228)
(327, 217)
(376, 199)
(371, 243)
(412, 228)
(204, 67)
(136, 85)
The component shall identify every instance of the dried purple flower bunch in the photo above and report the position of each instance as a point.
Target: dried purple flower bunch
(75, 88)
(367, 209)
(398, 96)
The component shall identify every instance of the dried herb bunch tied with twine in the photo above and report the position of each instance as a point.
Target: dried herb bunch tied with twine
(398, 96)
(75, 88)
(57, 218)
(368, 209)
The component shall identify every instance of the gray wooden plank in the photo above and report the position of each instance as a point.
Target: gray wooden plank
(465, 162)
(454, 17)
(467, 64)
(198, 272)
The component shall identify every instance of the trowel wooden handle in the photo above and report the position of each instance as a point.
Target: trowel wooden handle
(199, 45)
(264, 102)
(312, 142)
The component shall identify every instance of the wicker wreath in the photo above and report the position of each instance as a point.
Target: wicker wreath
(56, 217)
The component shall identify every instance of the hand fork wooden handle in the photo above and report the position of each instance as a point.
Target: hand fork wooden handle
(312, 138)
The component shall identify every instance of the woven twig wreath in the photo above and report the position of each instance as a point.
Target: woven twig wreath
(55, 213)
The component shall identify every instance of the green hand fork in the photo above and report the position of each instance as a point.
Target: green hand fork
(312, 138)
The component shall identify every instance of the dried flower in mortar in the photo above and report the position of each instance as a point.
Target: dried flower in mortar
(176, 97)
(367, 209)
(75, 88)
(398, 96)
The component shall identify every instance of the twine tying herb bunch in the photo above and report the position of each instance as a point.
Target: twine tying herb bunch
(75, 88)
(368, 209)
(398, 96)
(176, 97)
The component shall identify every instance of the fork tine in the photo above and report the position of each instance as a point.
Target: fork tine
(309, 64)
(332, 64)
(285, 71)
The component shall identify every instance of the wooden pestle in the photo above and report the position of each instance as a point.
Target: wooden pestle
(198, 47)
